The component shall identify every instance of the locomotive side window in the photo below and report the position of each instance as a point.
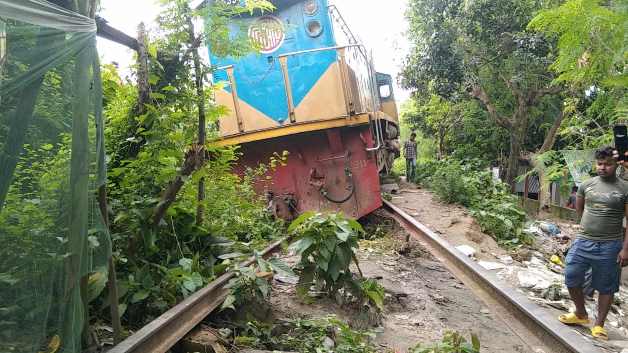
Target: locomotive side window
(384, 85)
(385, 91)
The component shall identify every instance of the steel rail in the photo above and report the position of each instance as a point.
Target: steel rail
(164, 332)
(516, 310)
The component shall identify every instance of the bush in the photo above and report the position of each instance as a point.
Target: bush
(453, 184)
(327, 245)
(491, 204)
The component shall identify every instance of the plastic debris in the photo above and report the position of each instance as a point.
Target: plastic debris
(506, 259)
(549, 228)
(490, 266)
(535, 262)
(537, 279)
(541, 228)
(329, 343)
(466, 250)
(555, 259)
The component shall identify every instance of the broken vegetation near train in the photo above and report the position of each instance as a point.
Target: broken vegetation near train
(494, 208)
(327, 245)
(330, 334)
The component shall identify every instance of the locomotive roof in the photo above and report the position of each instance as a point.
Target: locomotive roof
(278, 3)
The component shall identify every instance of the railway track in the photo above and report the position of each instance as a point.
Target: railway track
(164, 332)
(533, 324)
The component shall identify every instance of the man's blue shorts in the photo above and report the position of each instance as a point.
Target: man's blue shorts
(601, 258)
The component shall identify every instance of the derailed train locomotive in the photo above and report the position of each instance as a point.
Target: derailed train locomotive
(311, 91)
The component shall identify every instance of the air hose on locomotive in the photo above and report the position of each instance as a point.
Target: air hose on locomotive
(351, 188)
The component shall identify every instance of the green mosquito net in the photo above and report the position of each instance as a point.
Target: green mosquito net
(53, 243)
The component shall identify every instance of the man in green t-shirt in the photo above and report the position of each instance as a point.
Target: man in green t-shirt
(602, 245)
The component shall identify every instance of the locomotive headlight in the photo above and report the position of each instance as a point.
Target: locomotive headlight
(310, 7)
(314, 28)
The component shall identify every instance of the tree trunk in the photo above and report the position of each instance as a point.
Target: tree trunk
(548, 144)
(200, 103)
(143, 87)
(513, 160)
(441, 142)
(195, 159)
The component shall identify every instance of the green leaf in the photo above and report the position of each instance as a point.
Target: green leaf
(301, 245)
(300, 220)
(330, 244)
(475, 342)
(281, 268)
(344, 255)
(197, 279)
(334, 269)
(323, 264)
(376, 298)
(263, 286)
(153, 79)
(228, 303)
(8, 279)
(355, 225)
(343, 236)
(186, 264)
(157, 96)
(189, 285)
(152, 50)
(139, 296)
(122, 309)
(96, 283)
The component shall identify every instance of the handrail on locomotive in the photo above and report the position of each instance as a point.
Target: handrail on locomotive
(368, 105)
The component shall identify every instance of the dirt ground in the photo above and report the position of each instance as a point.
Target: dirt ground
(453, 223)
(436, 302)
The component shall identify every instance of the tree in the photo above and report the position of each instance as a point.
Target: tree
(591, 39)
(482, 48)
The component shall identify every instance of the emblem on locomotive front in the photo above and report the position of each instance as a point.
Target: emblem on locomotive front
(268, 32)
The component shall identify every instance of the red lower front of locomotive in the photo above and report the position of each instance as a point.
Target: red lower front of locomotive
(328, 170)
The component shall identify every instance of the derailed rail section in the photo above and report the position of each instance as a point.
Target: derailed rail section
(522, 316)
(164, 332)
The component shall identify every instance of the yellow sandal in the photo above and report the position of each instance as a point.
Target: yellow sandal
(572, 319)
(600, 333)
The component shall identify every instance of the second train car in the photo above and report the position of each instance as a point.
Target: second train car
(312, 91)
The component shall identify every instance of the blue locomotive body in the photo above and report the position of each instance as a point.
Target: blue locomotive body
(291, 28)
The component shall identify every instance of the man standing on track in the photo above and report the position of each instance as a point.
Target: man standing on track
(409, 151)
(602, 245)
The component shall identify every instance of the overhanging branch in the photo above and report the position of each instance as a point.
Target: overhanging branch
(478, 92)
(104, 30)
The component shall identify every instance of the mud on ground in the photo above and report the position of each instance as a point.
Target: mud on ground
(435, 303)
(453, 223)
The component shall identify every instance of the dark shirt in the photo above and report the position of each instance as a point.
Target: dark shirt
(409, 149)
